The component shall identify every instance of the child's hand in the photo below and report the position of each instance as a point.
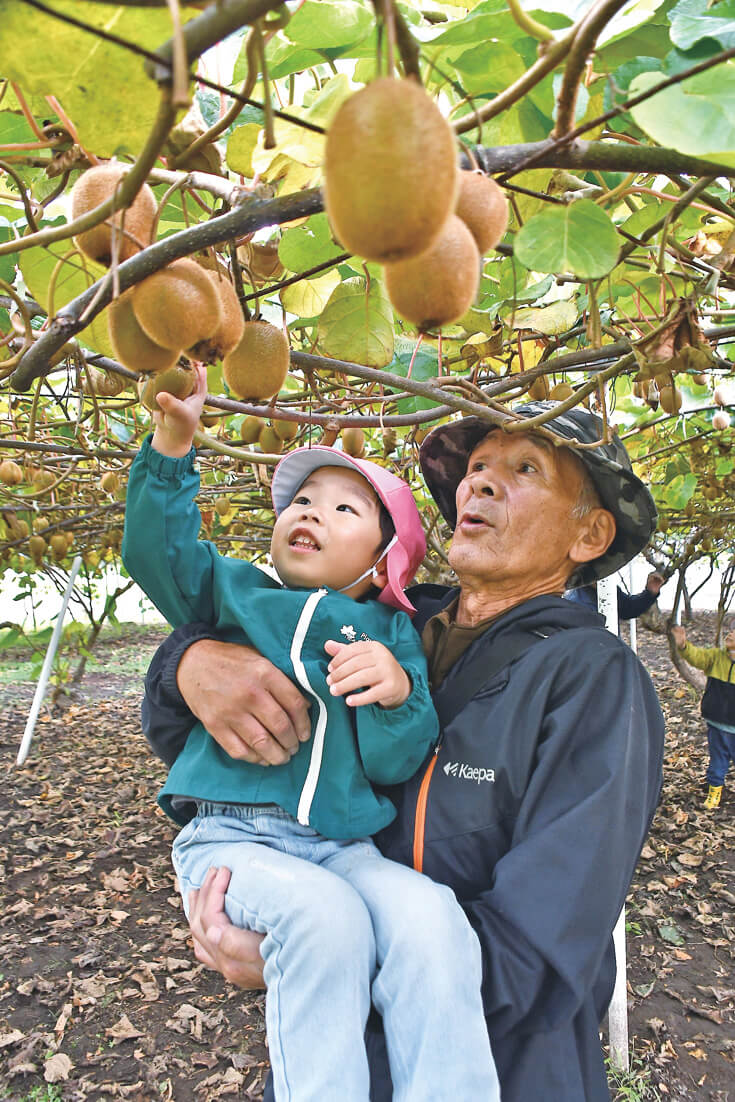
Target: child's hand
(680, 637)
(177, 422)
(368, 666)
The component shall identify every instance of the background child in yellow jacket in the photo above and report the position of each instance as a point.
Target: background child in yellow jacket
(718, 705)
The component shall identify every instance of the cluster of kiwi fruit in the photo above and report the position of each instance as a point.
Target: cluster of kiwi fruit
(394, 194)
(183, 309)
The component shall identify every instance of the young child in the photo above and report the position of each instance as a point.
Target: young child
(718, 706)
(342, 923)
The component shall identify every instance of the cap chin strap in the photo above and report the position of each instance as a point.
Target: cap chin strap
(372, 571)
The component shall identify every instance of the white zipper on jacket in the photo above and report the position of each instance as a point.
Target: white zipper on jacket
(317, 748)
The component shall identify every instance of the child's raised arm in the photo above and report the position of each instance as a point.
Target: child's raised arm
(177, 422)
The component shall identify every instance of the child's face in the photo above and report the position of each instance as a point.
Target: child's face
(730, 643)
(330, 533)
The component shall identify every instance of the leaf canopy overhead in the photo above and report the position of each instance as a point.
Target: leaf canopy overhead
(614, 274)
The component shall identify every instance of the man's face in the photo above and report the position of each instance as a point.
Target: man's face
(514, 513)
(330, 533)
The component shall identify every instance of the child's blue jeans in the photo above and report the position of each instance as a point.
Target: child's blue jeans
(344, 925)
(721, 751)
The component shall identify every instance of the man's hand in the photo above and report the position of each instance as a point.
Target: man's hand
(654, 581)
(217, 943)
(368, 666)
(178, 418)
(249, 707)
(680, 637)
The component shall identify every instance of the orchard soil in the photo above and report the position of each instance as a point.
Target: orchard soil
(101, 997)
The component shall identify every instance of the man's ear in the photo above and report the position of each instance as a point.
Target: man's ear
(380, 575)
(595, 534)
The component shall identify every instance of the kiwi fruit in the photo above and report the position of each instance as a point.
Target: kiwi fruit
(720, 420)
(178, 306)
(670, 398)
(257, 367)
(250, 430)
(561, 392)
(539, 389)
(483, 208)
(229, 331)
(102, 384)
(222, 505)
(390, 171)
(133, 348)
(10, 472)
(353, 441)
(96, 186)
(270, 441)
(286, 430)
(110, 482)
(439, 285)
(177, 380)
(59, 546)
(721, 396)
(37, 546)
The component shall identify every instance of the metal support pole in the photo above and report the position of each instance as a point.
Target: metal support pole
(632, 623)
(47, 664)
(617, 1015)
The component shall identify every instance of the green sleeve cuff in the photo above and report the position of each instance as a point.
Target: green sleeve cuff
(165, 466)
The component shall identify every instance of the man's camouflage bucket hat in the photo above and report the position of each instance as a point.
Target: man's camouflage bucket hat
(446, 450)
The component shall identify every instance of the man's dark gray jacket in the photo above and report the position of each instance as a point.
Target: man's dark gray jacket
(535, 807)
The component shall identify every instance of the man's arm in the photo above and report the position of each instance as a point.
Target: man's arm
(633, 605)
(249, 707)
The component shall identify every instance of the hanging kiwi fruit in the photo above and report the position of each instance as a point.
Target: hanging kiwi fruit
(134, 226)
(257, 367)
(390, 171)
(229, 331)
(133, 347)
(482, 206)
(178, 306)
(177, 380)
(438, 286)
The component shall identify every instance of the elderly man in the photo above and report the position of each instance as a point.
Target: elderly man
(536, 801)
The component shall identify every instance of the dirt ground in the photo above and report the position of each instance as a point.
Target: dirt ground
(101, 997)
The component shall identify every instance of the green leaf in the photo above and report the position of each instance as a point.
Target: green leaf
(103, 86)
(679, 490)
(307, 246)
(695, 117)
(74, 276)
(693, 20)
(329, 24)
(357, 324)
(579, 239)
(9, 260)
(670, 932)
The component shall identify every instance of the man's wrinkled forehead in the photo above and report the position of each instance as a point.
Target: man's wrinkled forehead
(544, 446)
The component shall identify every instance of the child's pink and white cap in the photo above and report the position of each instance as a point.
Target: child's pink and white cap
(409, 546)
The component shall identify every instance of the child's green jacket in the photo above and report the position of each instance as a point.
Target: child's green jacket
(327, 783)
(718, 702)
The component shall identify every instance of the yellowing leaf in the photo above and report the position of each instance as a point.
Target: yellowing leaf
(550, 320)
(308, 297)
(240, 148)
(357, 324)
(74, 275)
